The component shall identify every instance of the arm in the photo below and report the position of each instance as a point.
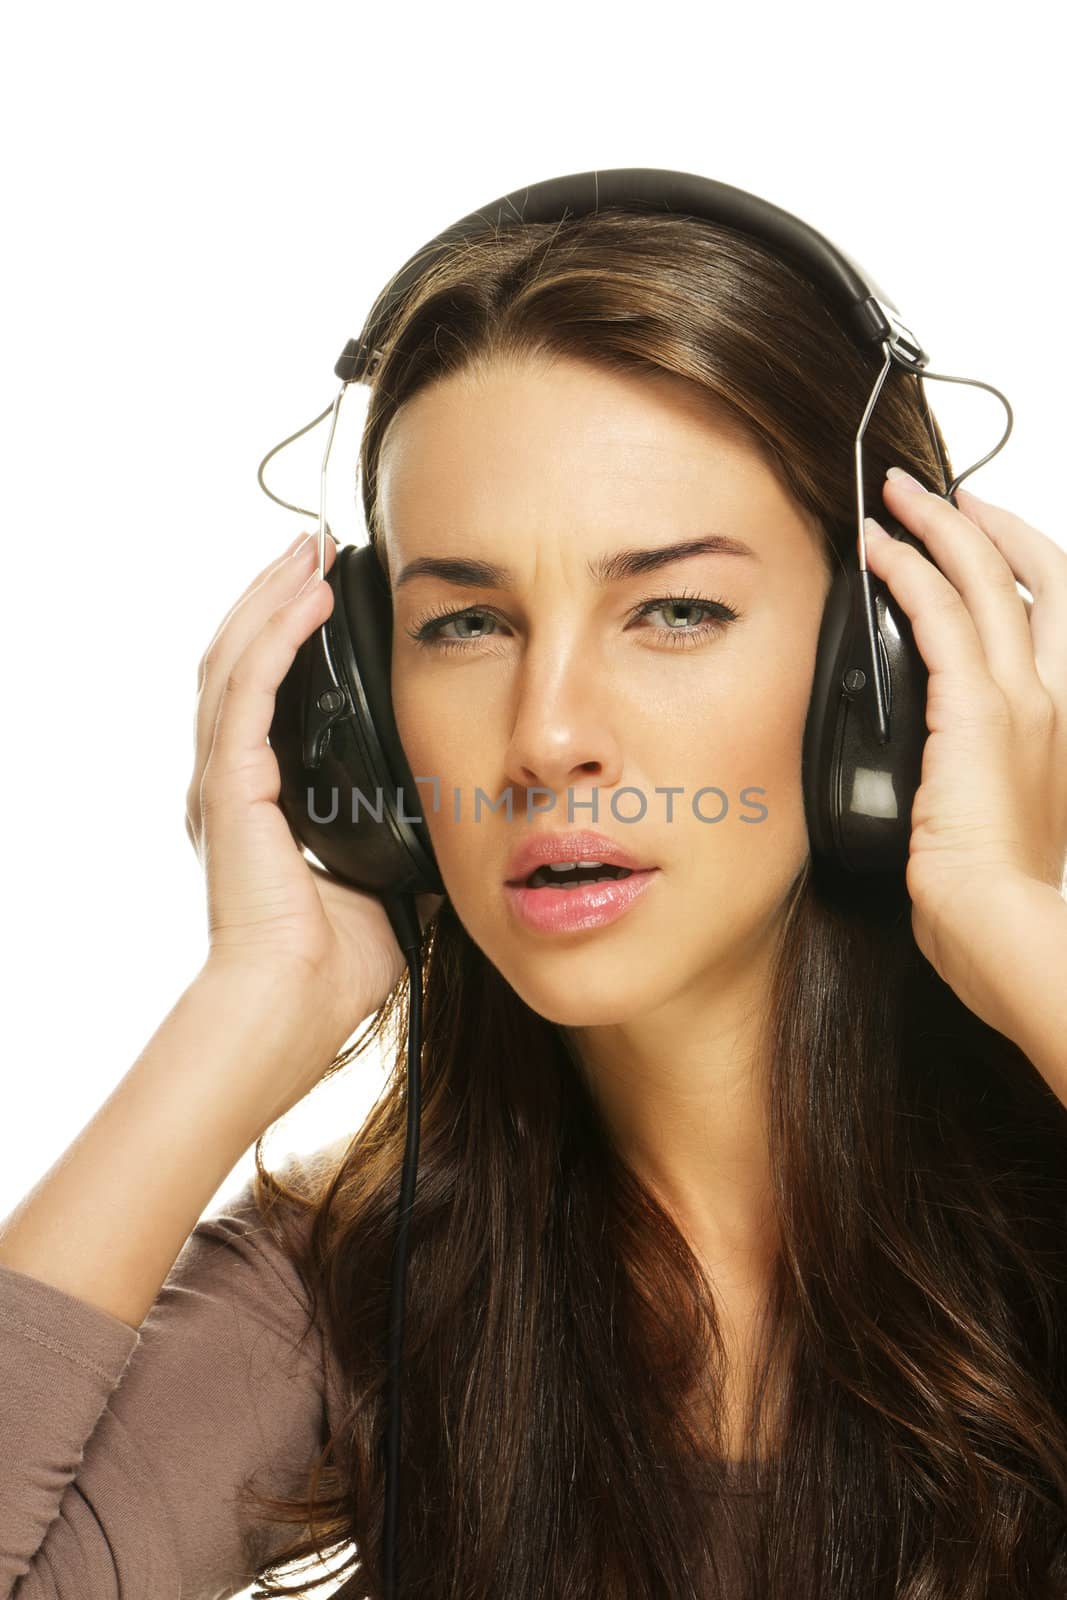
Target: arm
(137, 1497)
(107, 1220)
(131, 1407)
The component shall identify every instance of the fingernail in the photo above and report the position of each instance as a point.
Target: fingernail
(909, 484)
(874, 530)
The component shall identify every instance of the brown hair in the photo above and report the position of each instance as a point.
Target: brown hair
(559, 1330)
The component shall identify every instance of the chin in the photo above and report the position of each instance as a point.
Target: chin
(572, 1013)
(615, 998)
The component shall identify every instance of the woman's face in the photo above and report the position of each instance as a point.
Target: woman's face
(556, 688)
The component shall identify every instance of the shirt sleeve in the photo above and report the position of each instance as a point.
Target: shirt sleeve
(122, 1449)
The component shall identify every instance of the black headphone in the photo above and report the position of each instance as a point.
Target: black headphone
(334, 733)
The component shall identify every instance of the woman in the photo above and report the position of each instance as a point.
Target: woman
(737, 1264)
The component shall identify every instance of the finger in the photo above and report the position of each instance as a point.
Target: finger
(241, 768)
(260, 577)
(983, 578)
(943, 626)
(285, 564)
(205, 711)
(283, 579)
(246, 615)
(1041, 564)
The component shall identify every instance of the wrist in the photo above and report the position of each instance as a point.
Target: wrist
(1031, 922)
(270, 1026)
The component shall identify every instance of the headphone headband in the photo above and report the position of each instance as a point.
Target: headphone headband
(867, 311)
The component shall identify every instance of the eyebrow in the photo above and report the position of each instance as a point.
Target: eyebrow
(623, 564)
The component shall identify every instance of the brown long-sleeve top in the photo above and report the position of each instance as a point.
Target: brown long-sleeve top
(121, 1448)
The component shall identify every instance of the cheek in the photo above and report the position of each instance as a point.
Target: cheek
(432, 726)
(441, 742)
(751, 747)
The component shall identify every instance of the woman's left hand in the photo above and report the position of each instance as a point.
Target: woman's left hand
(989, 821)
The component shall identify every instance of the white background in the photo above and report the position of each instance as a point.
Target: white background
(202, 202)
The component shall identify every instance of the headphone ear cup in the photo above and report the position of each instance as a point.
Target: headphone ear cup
(858, 793)
(347, 790)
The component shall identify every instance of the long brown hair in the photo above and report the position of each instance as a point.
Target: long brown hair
(559, 1330)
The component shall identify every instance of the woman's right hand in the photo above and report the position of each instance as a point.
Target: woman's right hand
(329, 947)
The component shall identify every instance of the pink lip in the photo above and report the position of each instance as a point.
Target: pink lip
(593, 905)
(542, 848)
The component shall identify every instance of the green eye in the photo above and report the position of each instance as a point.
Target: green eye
(721, 614)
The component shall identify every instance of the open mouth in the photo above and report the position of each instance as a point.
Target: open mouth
(566, 897)
(568, 877)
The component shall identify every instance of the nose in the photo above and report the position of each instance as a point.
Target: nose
(563, 735)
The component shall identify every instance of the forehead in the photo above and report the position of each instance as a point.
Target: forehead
(483, 459)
